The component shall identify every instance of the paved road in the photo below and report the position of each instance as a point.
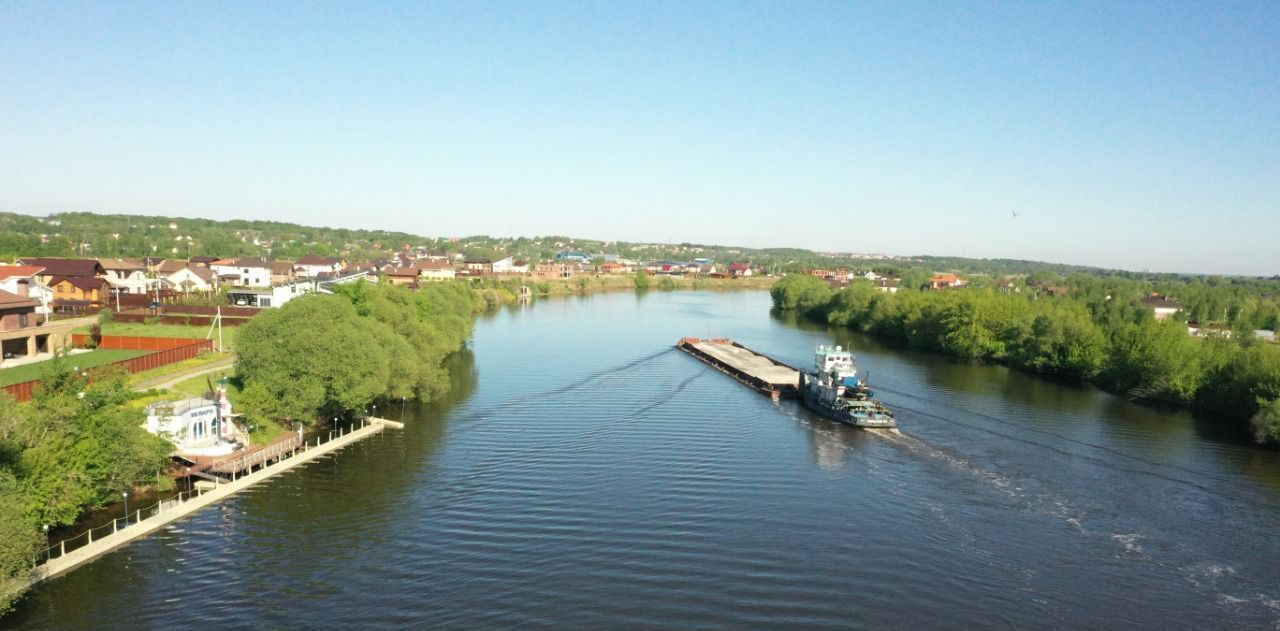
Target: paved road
(168, 381)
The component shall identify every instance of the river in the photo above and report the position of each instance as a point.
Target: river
(582, 473)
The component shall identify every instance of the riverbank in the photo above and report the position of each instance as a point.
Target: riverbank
(1121, 349)
(58, 560)
(492, 293)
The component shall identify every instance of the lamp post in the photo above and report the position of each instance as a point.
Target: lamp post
(46, 541)
(402, 410)
(125, 494)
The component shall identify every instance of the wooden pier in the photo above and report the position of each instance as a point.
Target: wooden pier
(166, 512)
(760, 372)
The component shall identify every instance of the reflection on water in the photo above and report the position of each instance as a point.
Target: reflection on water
(583, 474)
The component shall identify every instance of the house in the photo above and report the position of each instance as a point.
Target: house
(21, 280)
(478, 266)
(268, 297)
(17, 316)
(740, 270)
(1162, 306)
(74, 294)
(887, 285)
(1056, 291)
(311, 266)
(55, 267)
(510, 266)
(202, 261)
(613, 269)
(1264, 335)
(947, 281)
(553, 270)
(198, 426)
(188, 278)
(436, 270)
(126, 276)
(283, 272)
(401, 275)
(243, 272)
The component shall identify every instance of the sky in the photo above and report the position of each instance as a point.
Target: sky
(1118, 134)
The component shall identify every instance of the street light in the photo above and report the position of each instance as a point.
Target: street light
(125, 494)
(46, 541)
(402, 410)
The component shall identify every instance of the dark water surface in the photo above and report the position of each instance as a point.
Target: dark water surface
(584, 474)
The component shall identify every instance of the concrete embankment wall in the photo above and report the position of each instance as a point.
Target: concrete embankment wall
(108, 543)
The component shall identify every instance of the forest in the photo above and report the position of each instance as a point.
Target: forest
(1099, 333)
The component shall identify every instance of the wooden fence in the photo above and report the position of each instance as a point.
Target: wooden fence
(168, 350)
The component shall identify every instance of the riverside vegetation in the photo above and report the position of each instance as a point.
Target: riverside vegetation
(78, 445)
(1100, 333)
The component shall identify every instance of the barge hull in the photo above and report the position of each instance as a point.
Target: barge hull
(757, 371)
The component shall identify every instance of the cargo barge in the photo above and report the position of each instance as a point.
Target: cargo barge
(759, 372)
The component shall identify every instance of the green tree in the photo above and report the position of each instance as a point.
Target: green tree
(313, 357)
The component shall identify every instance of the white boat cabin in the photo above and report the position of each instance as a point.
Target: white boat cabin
(834, 365)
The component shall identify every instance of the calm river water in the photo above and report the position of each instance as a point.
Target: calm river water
(585, 474)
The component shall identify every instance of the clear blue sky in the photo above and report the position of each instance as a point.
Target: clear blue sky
(1122, 134)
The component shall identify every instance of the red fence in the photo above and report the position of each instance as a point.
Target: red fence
(134, 343)
(168, 351)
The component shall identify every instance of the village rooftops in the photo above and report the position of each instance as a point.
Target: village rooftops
(313, 259)
(86, 283)
(127, 265)
(66, 267)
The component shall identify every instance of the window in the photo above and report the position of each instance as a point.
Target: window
(22, 320)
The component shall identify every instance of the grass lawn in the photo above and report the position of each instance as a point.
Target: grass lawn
(175, 368)
(39, 370)
(167, 330)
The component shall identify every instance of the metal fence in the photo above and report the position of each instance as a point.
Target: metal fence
(135, 517)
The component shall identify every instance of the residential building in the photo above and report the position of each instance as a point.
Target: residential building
(947, 281)
(740, 270)
(268, 297)
(510, 266)
(188, 278)
(401, 275)
(433, 270)
(55, 267)
(243, 272)
(1162, 307)
(22, 280)
(311, 266)
(126, 276)
(199, 426)
(479, 266)
(74, 294)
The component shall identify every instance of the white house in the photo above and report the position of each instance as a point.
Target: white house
(265, 297)
(21, 280)
(1162, 306)
(191, 279)
(311, 266)
(126, 276)
(510, 266)
(199, 426)
(436, 270)
(243, 272)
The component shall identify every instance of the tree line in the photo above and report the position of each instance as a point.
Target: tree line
(1094, 335)
(328, 356)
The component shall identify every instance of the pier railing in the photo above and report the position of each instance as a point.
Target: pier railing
(133, 518)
